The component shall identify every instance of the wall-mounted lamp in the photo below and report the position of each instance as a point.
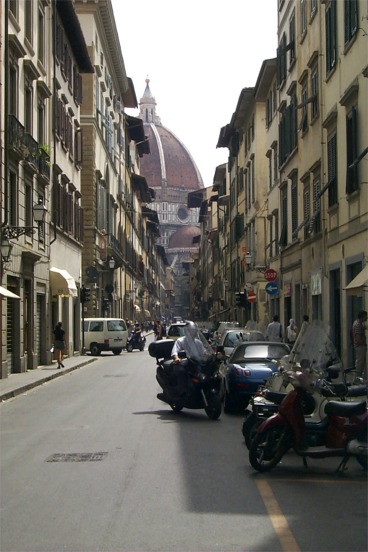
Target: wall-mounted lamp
(14, 232)
(6, 248)
(112, 263)
(248, 258)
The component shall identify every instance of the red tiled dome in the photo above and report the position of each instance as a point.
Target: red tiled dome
(183, 238)
(169, 164)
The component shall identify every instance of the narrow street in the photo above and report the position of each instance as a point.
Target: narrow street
(92, 461)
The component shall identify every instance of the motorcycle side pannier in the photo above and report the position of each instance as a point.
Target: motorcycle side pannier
(161, 348)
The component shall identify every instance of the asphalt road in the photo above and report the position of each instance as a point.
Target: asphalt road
(93, 461)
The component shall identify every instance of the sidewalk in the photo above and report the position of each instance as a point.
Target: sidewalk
(15, 384)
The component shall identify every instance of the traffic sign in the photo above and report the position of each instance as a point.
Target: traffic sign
(272, 288)
(251, 296)
(270, 274)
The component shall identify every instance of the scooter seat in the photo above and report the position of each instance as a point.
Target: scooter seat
(345, 408)
(274, 396)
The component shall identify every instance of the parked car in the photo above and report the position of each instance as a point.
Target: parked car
(222, 327)
(176, 330)
(231, 338)
(249, 366)
(105, 334)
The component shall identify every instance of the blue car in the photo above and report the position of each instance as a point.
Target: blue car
(249, 366)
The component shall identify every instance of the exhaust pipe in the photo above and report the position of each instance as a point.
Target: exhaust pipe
(356, 447)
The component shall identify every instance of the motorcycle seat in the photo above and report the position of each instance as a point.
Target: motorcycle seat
(357, 390)
(274, 396)
(345, 408)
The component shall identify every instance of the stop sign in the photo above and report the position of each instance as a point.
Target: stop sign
(270, 274)
(252, 297)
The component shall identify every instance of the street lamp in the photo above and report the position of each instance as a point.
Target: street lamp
(112, 263)
(6, 249)
(14, 232)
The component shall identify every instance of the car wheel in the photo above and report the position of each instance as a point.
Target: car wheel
(95, 349)
(117, 351)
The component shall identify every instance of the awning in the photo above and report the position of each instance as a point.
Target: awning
(359, 283)
(6, 293)
(62, 283)
(137, 308)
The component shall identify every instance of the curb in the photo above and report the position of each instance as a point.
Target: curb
(26, 387)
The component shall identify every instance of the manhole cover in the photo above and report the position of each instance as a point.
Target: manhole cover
(77, 457)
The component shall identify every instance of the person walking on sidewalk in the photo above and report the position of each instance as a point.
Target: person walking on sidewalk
(59, 344)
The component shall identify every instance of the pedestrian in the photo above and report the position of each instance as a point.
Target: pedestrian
(291, 332)
(360, 344)
(59, 344)
(274, 331)
(158, 330)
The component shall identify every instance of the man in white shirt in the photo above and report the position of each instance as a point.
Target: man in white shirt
(275, 331)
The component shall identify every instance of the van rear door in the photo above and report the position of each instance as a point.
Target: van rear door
(117, 333)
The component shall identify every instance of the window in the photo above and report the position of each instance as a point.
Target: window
(352, 183)
(284, 216)
(303, 17)
(294, 201)
(315, 220)
(304, 120)
(332, 169)
(293, 120)
(306, 207)
(101, 205)
(41, 36)
(28, 20)
(13, 88)
(292, 52)
(13, 199)
(350, 19)
(28, 105)
(331, 42)
(275, 164)
(314, 93)
(281, 61)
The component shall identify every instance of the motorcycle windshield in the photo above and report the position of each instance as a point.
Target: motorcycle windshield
(195, 345)
(314, 349)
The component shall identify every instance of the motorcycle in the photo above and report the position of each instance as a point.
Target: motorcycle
(322, 361)
(135, 341)
(205, 385)
(341, 433)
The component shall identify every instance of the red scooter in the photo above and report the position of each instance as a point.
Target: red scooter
(342, 433)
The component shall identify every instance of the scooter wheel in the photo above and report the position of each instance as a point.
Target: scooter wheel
(213, 410)
(250, 424)
(268, 448)
(129, 348)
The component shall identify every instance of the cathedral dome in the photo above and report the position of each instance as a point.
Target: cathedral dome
(169, 164)
(183, 238)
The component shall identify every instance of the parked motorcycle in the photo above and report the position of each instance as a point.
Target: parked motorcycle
(315, 344)
(135, 341)
(205, 385)
(341, 433)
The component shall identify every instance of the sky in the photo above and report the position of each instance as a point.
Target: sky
(198, 56)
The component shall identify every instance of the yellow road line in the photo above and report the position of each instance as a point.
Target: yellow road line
(278, 519)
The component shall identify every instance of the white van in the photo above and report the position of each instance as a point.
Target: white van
(105, 334)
